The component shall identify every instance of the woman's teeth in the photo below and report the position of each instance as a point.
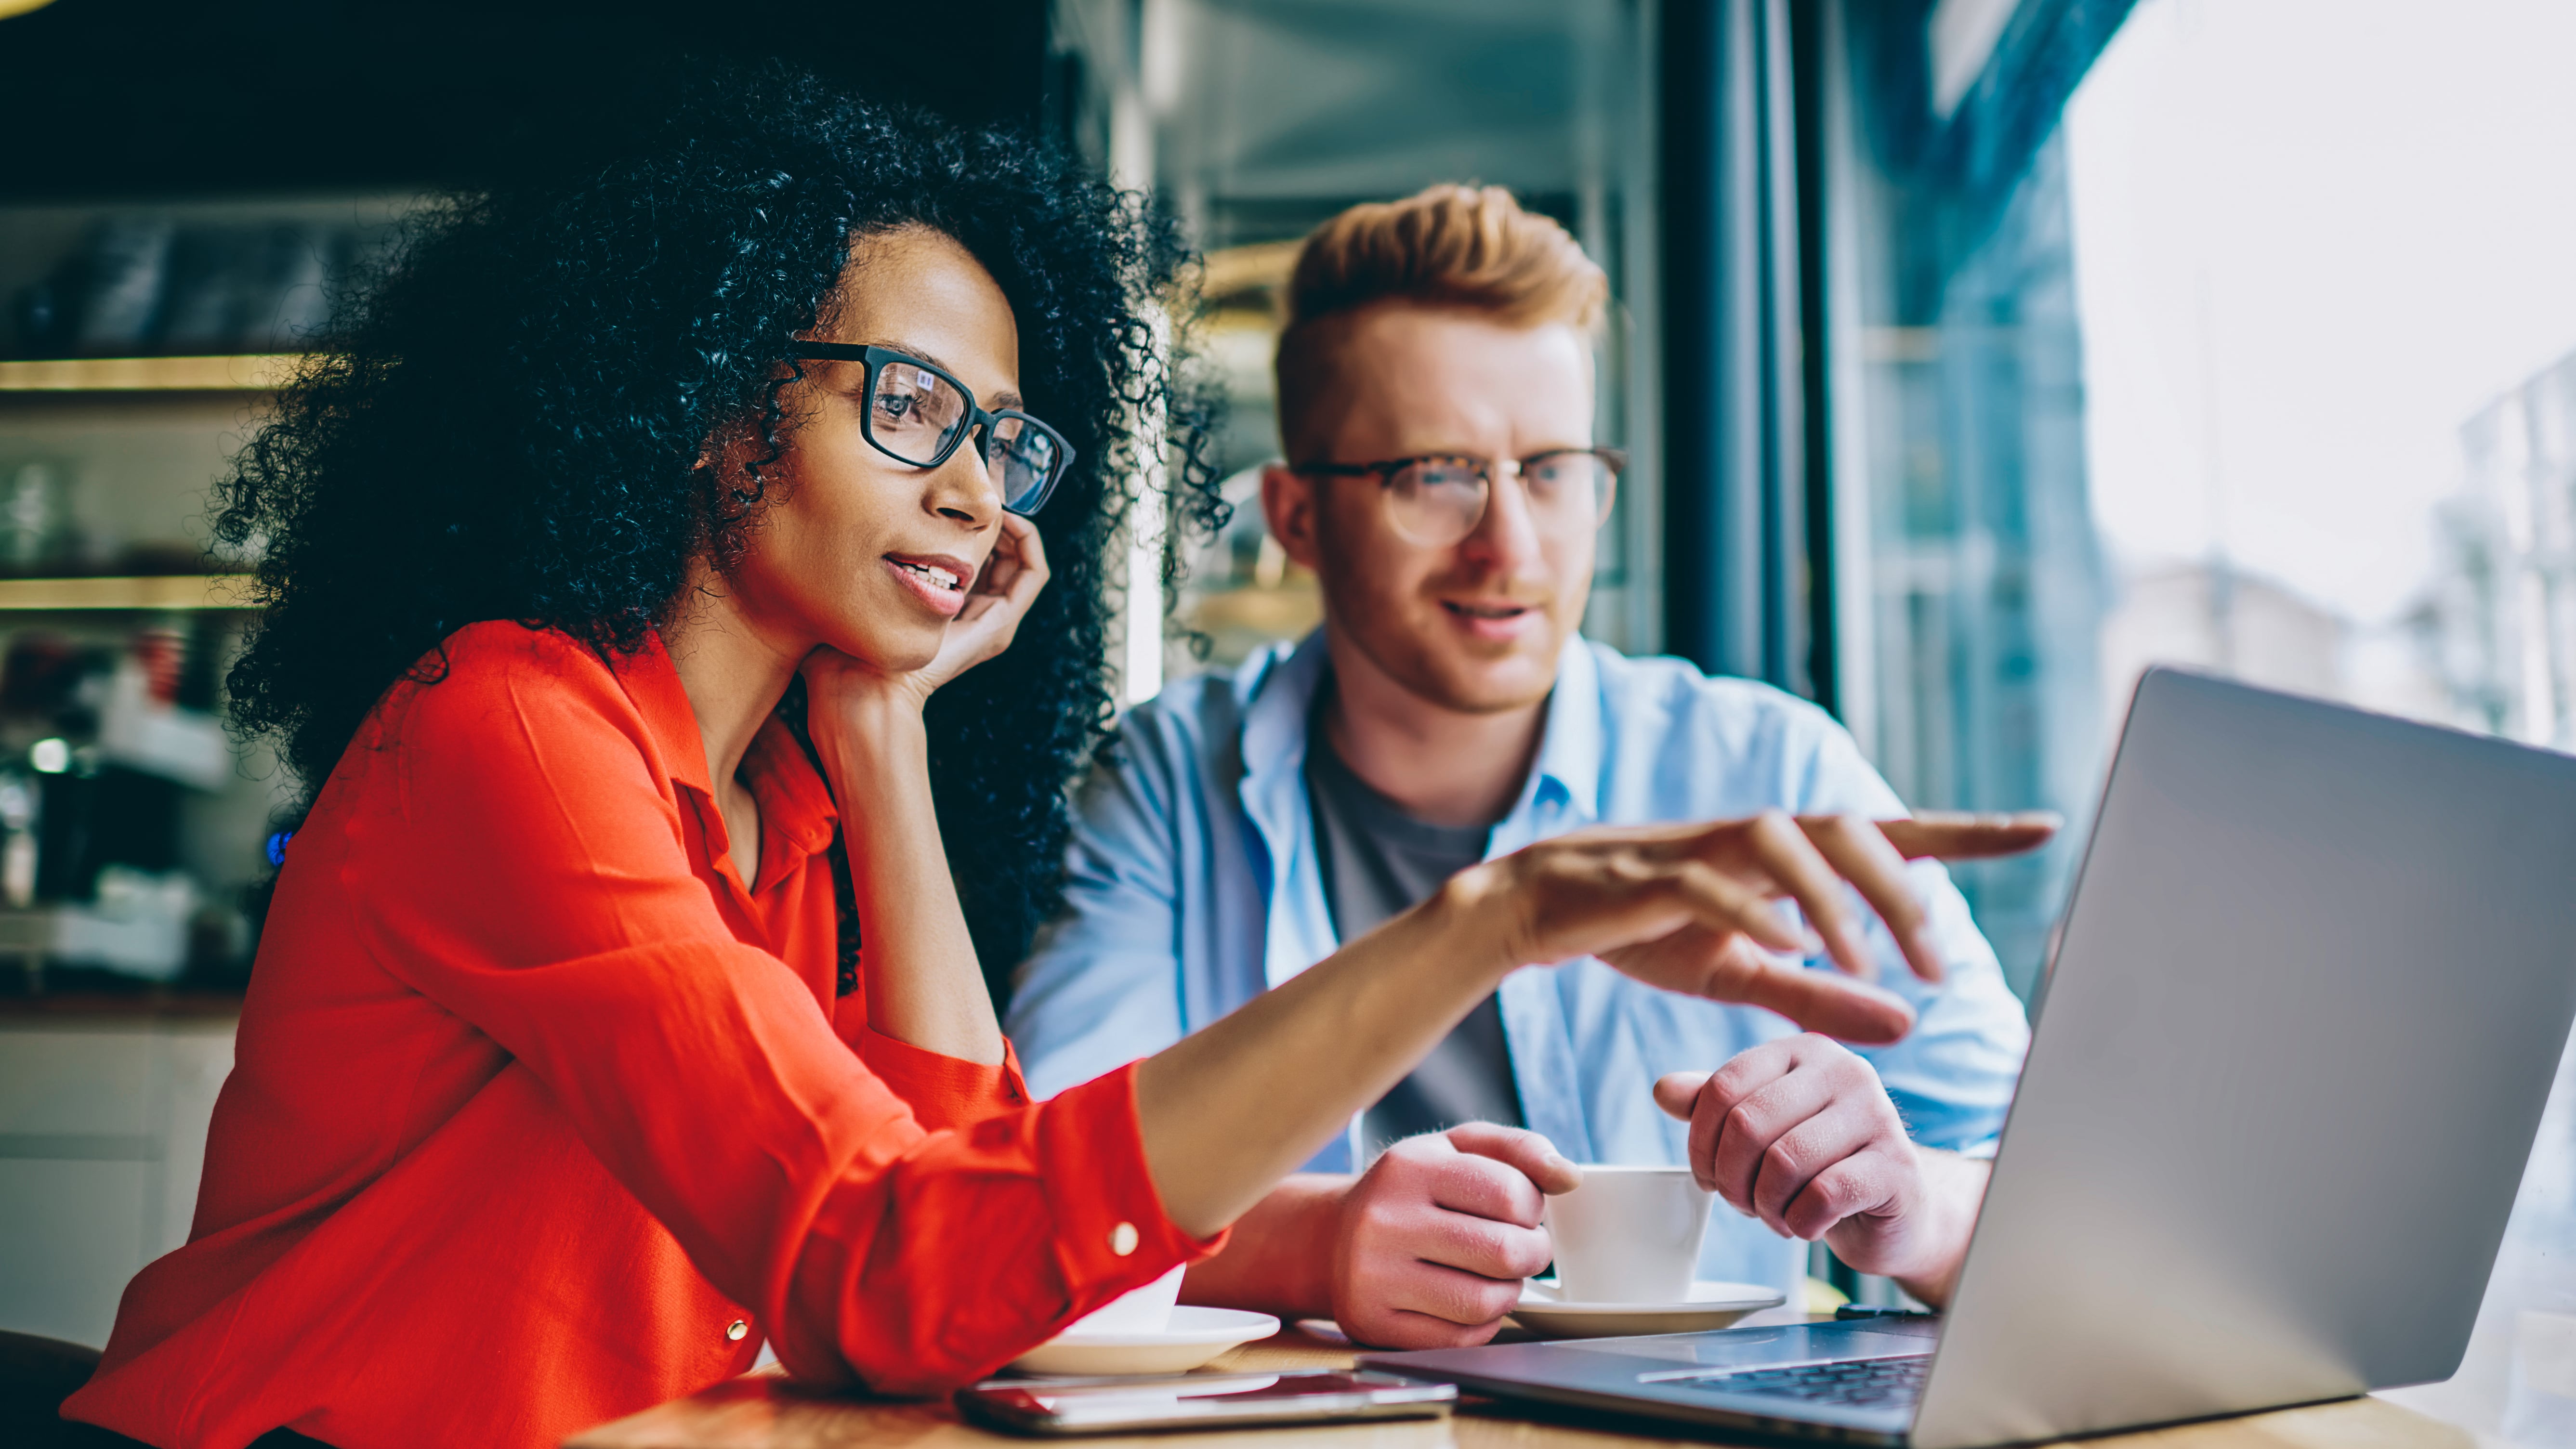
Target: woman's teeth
(938, 576)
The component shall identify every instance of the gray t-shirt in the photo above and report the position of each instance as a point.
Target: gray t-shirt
(1379, 862)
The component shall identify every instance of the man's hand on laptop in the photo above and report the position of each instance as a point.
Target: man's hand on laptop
(1696, 908)
(1435, 1238)
(1800, 1134)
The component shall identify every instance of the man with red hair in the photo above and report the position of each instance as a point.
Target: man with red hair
(1444, 484)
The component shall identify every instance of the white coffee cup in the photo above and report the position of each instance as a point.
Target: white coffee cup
(1628, 1235)
(1142, 1310)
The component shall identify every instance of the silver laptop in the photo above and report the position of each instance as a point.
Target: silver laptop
(2315, 980)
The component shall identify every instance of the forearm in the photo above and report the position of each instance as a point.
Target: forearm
(1280, 1258)
(1954, 1188)
(924, 985)
(1227, 1112)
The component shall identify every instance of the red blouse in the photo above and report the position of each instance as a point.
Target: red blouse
(540, 1116)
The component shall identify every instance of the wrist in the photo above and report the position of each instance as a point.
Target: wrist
(1329, 1244)
(874, 726)
(1281, 1257)
(1477, 913)
(1953, 1188)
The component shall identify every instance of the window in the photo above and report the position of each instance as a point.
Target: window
(1969, 586)
(2236, 334)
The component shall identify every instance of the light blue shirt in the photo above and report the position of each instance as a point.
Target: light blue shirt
(1193, 884)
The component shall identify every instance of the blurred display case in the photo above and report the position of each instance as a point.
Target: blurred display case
(139, 343)
(245, 276)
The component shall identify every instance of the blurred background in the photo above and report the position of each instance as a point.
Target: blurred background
(1973, 355)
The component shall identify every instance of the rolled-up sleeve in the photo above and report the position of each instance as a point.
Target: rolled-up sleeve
(943, 1091)
(898, 1218)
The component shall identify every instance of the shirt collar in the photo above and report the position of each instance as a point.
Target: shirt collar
(1279, 697)
(1569, 753)
(654, 686)
(795, 804)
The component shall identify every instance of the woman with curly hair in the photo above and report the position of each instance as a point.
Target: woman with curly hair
(655, 610)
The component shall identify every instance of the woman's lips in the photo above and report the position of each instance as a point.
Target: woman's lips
(939, 583)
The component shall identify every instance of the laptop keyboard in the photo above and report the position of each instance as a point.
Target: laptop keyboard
(1865, 1383)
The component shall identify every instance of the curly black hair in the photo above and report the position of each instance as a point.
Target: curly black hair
(511, 420)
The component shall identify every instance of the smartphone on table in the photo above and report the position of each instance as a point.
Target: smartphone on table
(1199, 1401)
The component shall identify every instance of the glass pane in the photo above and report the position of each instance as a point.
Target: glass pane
(2329, 320)
(2262, 362)
(1971, 581)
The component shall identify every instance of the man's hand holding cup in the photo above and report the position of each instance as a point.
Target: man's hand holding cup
(1436, 1237)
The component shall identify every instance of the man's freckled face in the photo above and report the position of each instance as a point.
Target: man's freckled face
(1476, 625)
(855, 549)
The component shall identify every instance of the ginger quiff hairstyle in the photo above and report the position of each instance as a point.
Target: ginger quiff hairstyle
(1468, 248)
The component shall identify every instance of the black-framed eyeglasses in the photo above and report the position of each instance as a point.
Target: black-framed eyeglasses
(918, 414)
(1439, 498)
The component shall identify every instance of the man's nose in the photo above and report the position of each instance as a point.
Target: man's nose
(1506, 538)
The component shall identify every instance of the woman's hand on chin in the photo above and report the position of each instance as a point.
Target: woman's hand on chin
(995, 604)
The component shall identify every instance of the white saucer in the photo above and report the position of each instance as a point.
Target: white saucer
(1710, 1305)
(1193, 1337)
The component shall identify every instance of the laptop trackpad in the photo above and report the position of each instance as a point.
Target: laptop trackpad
(1756, 1347)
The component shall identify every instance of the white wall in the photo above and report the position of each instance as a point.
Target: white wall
(102, 1138)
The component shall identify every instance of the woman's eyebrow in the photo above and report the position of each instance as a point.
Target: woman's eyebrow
(1006, 398)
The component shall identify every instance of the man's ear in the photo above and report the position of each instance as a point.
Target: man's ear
(1288, 505)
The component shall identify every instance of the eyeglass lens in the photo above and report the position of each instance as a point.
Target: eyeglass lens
(1438, 501)
(915, 414)
(1023, 457)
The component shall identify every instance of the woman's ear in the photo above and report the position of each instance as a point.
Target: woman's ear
(1288, 506)
(725, 457)
(737, 441)
(719, 448)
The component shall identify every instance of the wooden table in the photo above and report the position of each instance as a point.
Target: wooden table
(761, 1411)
